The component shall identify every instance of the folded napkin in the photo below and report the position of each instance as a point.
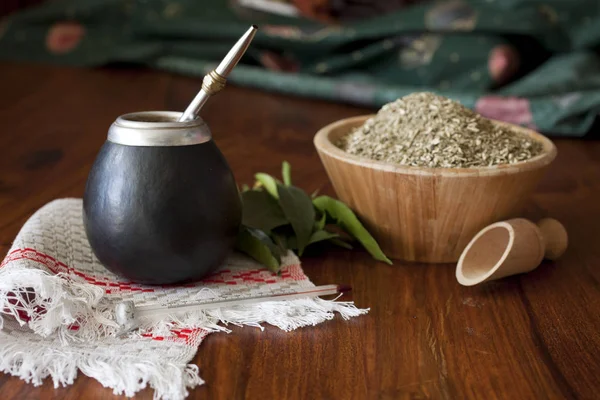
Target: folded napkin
(57, 311)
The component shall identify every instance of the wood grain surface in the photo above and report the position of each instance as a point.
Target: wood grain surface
(534, 336)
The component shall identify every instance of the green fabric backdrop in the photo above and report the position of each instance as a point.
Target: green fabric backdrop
(440, 46)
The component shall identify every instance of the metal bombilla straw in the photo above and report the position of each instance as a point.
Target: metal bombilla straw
(215, 80)
(127, 314)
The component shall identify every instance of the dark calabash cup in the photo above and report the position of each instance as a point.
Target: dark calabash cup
(161, 205)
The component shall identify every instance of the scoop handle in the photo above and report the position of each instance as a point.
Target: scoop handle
(555, 238)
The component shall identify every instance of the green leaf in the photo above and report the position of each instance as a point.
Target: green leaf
(291, 242)
(286, 235)
(299, 210)
(286, 173)
(269, 183)
(261, 211)
(341, 243)
(320, 224)
(259, 246)
(320, 236)
(280, 241)
(317, 236)
(348, 221)
(245, 188)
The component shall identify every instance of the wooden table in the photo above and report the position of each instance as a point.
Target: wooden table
(526, 337)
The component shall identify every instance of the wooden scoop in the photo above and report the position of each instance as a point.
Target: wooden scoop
(510, 247)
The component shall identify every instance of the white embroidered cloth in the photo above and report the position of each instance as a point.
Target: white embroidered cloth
(57, 311)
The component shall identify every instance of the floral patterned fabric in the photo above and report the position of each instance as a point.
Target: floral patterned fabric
(534, 63)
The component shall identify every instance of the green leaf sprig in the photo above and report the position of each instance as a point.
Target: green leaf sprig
(278, 217)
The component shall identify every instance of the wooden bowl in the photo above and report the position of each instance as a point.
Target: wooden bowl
(427, 214)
